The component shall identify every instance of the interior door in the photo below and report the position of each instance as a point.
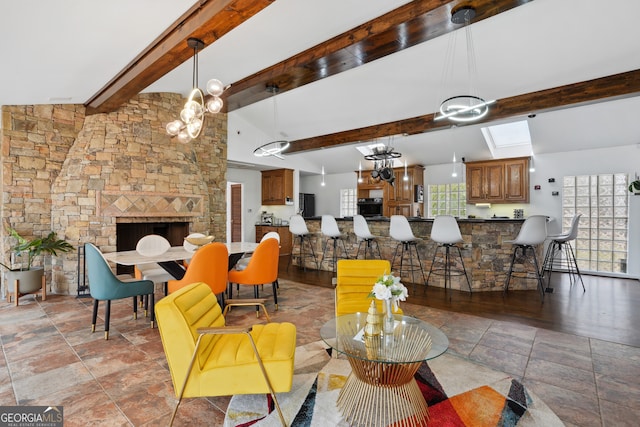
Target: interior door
(236, 212)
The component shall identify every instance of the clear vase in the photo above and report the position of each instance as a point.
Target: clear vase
(388, 320)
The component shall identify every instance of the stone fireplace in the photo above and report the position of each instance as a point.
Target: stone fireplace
(81, 176)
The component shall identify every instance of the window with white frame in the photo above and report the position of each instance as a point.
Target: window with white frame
(603, 201)
(447, 199)
(348, 202)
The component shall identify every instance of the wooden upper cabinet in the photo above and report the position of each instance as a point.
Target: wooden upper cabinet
(516, 180)
(498, 181)
(400, 198)
(277, 186)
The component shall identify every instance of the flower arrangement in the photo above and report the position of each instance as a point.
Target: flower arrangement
(388, 287)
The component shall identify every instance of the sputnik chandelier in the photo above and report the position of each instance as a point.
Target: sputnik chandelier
(192, 115)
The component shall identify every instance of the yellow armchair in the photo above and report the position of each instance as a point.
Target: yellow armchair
(207, 358)
(355, 279)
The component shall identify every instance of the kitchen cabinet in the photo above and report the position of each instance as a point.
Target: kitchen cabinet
(400, 198)
(277, 186)
(498, 181)
(286, 239)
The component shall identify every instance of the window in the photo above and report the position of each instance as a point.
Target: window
(603, 201)
(447, 199)
(348, 202)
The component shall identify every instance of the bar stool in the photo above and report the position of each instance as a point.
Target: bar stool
(361, 230)
(560, 243)
(298, 227)
(330, 230)
(446, 233)
(532, 233)
(400, 230)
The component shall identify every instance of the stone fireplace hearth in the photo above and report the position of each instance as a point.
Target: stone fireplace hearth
(81, 176)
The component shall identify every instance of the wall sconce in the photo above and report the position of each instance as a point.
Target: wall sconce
(360, 172)
(322, 183)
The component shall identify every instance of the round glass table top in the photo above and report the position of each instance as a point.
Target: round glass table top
(412, 340)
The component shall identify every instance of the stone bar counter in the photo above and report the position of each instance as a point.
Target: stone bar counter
(486, 256)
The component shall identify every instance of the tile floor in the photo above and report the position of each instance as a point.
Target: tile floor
(50, 357)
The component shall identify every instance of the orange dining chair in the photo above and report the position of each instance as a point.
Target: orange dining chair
(208, 265)
(261, 269)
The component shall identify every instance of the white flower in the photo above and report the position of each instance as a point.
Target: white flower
(389, 287)
(381, 291)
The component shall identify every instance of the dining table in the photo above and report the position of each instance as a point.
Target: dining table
(169, 259)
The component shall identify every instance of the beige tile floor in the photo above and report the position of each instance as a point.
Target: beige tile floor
(50, 357)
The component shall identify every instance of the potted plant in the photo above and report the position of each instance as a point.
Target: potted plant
(634, 187)
(30, 278)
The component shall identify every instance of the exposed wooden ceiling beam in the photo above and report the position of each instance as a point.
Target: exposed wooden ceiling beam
(207, 20)
(411, 24)
(588, 92)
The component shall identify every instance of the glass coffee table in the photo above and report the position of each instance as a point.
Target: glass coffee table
(381, 389)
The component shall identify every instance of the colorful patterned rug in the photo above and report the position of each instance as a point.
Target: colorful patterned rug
(459, 393)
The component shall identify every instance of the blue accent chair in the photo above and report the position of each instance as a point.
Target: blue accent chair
(105, 286)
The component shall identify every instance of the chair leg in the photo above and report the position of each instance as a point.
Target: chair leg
(508, 279)
(266, 378)
(575, 264)
(152, 304)
(275, 293)
(433, 261)
(107, 317)
(538, 276)
(464, 270)
(186, 379)
(365, 249)
(135, 307)
(94, 315)
(256, 294)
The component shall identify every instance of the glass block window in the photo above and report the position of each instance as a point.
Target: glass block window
(447, 199)
(348, 202)
(603, 201)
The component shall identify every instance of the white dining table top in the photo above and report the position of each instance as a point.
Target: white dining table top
(175, 253)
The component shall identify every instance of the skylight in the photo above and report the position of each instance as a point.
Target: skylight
(367, 150)
(508, 140)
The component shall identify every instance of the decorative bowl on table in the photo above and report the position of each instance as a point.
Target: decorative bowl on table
(196, 240)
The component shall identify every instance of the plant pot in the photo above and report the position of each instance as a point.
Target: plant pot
(29, 282)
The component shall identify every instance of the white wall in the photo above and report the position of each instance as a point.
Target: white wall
(252, 207)
(328, 196)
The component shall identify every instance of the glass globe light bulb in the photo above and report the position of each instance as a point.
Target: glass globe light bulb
(214, 105)
(187, 114)
(215, 87)
(193, 128)
(184, 137)
(174, 127)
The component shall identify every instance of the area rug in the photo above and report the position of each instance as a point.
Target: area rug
(459, 394)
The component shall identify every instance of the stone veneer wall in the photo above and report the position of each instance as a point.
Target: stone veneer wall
(59, 167)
